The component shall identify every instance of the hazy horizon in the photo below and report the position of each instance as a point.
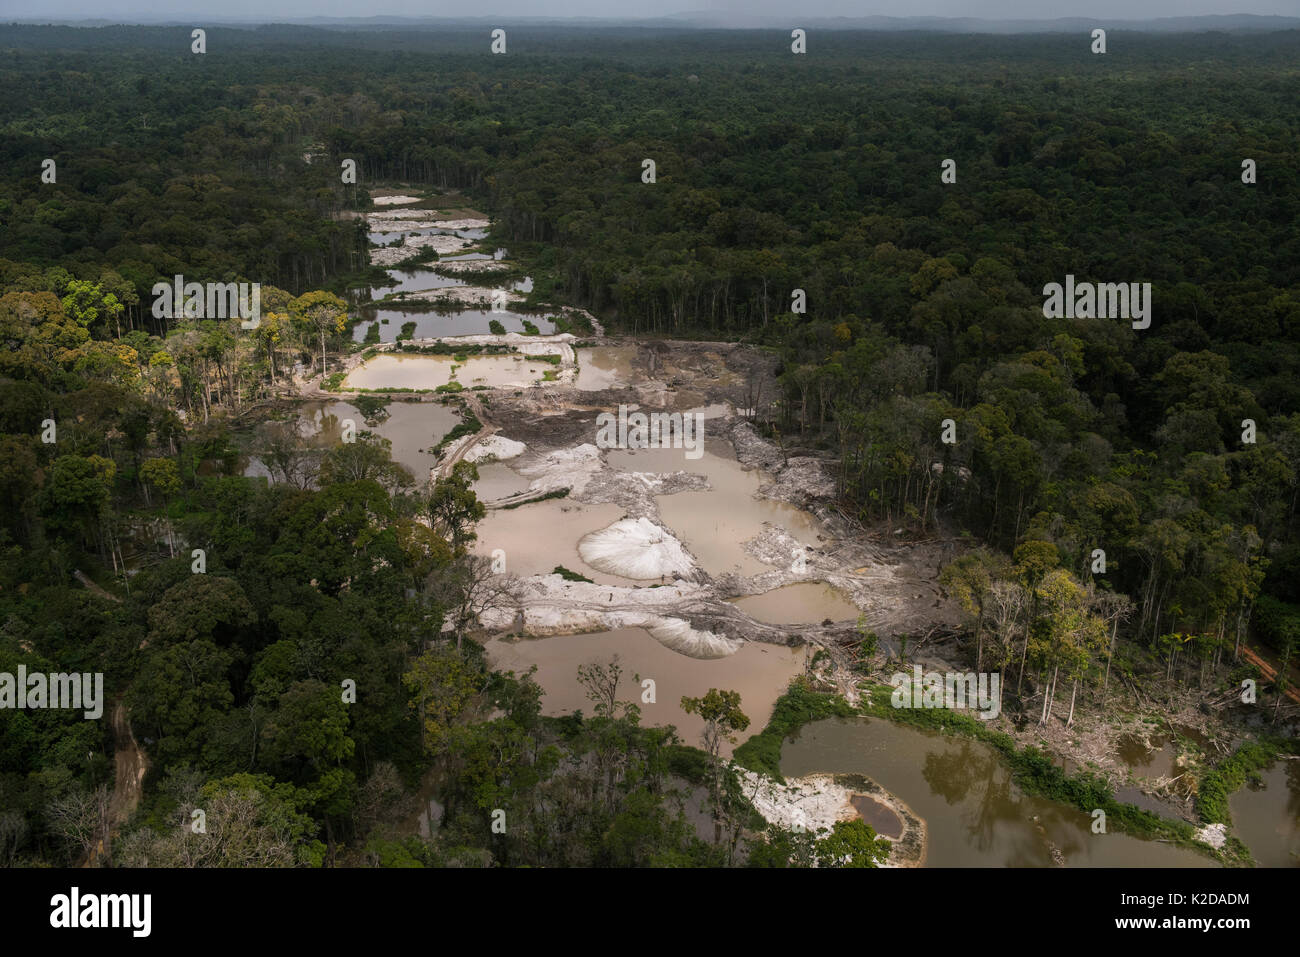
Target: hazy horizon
(715, 11)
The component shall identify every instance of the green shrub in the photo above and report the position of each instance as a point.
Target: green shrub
(557, 493)
(570, 575)
(794, 709)
(1217, 784)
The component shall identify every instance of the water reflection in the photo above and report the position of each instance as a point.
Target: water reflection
(1266, 816)
(975, 814)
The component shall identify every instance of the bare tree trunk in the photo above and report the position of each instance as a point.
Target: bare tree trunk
(1110, 653)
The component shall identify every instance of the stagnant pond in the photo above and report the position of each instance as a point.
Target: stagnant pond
(412, 427)
(432, 325)
(714, 523)
(801, 603)
(498, 480)
(975, 815)
(605, 367)
(1267, 816)
(760, 672)
(429, 372)
(535, 538)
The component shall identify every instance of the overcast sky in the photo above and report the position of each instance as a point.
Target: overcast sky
(795, 9)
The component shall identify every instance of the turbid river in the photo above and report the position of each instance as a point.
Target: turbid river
(975, 815)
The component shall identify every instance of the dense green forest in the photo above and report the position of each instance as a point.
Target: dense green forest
(775, 173)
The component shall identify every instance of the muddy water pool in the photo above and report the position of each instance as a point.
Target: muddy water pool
(605, 367)
(801, 603)
(537, 537)
(429, 372)
(974, 814)
(1267, 817)
(431, 325)
(412, 427)
(760, 672)
(714, 523)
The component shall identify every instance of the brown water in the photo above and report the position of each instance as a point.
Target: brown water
(412, 427)
(429, 372)
(713, 523)
(498, 480)
(974, 814)
(537, 537)
(414, 280)
(1157, 761)
(805, 602)
(881, 817)
(435, 325)
(760, 672)
(605, 367)
(1267, 818)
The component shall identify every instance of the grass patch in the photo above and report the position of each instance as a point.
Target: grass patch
(393, 390)
(457, 349)
(688, 763)
(574, 323)
(797, 707)
(570, 576)
(556, 493)
(333, 381)
(1218, 783)
(468, 426)
(371, 406)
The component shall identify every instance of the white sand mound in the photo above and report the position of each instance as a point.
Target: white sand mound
(462, 224)
(474, 265)
(495, 448)
(562, 468)
(682, 638)
(1215, 835)
(635, 548)
(391, 255)
(814, 802)
(395, 200)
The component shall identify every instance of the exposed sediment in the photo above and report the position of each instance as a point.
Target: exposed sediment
(817, 802)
